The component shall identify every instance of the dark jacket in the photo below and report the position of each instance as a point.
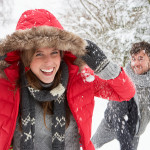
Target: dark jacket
(123, 117)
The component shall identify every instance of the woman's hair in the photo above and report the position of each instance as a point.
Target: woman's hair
(33, 81)
(137, 47)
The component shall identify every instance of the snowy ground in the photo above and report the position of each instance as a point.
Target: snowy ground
(100, 106)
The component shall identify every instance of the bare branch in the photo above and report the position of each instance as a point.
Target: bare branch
(101, 24)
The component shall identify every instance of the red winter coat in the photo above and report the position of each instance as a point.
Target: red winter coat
(80, 93)
(80, 96)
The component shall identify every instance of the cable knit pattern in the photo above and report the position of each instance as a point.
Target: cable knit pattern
(142, 83)
(111, 71)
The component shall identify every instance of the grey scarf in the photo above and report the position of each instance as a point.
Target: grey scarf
(141, 80)
(28, 97)
(142, 83)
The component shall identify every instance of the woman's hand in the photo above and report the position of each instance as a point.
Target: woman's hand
(95, 58)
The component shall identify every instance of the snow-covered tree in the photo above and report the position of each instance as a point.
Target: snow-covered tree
(6, 7)
(6, 19)
(113, 24)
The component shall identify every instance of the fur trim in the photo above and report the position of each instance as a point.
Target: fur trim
(79, 62)
(43, 36)
(38, 37)
(3, 65)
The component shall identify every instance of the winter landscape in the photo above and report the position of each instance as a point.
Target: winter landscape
(114, 25)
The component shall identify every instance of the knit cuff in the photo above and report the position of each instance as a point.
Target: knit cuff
(102, 65)
(111, 71)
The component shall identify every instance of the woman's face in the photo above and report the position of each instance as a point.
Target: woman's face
(45, 64)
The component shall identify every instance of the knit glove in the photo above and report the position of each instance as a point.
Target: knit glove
(95, 58)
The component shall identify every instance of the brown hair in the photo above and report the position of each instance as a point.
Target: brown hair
(137, 47)
(26, 57)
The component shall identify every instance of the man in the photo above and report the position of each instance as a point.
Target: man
(126, 121)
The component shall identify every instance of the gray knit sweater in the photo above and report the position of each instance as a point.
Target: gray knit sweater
(43, 135)
(142, 83)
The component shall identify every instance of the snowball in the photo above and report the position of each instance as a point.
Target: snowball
(90, 78)
(87, 76)
(80, 119)
(126, 118)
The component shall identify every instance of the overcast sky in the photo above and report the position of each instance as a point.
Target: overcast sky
(56, 7)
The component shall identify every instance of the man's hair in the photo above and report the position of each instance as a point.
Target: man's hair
(137, 47)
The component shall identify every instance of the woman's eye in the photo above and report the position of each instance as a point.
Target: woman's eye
(38, 54)
(55, 52)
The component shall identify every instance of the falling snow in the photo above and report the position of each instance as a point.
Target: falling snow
(126, 118)
(87, 76)
(107, 42)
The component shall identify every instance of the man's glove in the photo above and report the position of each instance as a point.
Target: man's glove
(95, 58)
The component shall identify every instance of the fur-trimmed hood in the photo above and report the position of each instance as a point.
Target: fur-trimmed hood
(43, 36)
(31, 34)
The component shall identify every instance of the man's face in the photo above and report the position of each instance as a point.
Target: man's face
(140, 62)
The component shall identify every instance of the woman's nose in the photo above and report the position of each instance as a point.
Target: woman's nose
(47, 59)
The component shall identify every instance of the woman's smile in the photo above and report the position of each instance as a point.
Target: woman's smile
(47, 72)
(45, 64)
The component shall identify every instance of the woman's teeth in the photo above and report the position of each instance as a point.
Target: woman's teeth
(47, 70)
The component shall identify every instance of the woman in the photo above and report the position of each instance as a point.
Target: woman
(45, 85)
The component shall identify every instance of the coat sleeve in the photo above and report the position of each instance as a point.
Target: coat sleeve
(119, 89)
